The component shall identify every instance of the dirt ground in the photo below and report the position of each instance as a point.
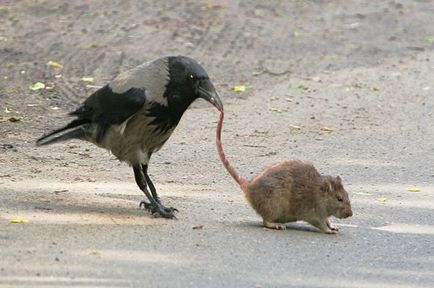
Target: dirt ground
(363, 70)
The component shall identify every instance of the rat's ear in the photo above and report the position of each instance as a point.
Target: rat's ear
(326, 186)
(338, 179)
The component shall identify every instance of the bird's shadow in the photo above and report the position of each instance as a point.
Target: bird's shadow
(125, 210)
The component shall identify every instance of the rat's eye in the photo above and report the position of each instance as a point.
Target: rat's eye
(339, 198)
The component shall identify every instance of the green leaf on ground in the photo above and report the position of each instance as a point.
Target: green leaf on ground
(413, 189)
(273, 109)
(240, 88)
(327, 129)
(37, 86)
(429, 39)
(297, 86)
(295, 127)
(54, 64)
(19, 219)
(296, 34)
(87, 79)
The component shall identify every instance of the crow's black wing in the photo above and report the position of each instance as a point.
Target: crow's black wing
(107, 108)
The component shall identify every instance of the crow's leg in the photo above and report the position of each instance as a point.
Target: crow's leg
(150, 184)
(154, 192)
(156, 208)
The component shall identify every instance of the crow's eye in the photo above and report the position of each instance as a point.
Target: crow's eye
(191, 77)
(339, 198)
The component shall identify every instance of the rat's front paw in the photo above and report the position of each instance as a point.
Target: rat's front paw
(330, 231)
(331, 227)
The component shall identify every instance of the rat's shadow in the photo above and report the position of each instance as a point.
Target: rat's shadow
(295, 226)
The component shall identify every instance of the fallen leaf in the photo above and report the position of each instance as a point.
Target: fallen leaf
(382, 199)
(95, 253)
(87, 79)
(240, 88)
(327, 129)
(273, 109)
(7, 110)
(213, 6)
(259, 12)
(54, 64)
(37, 86)
(327, 57)
(197, 227)
(297, 86)
(60, 191)
(295, 127)
(19, 219)
(429, 39)
(54, 108)
(14, 119)
(413, 189)
(257, 72)
(296, 34)
(49, 87)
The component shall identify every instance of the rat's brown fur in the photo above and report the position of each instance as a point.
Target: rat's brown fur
(290, 191)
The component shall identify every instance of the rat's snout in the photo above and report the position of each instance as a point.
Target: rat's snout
(348, 212)
(345, 213)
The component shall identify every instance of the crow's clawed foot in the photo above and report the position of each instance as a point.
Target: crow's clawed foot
(165, 212)
(159, 210)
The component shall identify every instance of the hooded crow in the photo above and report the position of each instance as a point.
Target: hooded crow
(135, 114)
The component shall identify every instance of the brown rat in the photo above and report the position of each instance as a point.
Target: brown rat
(292, 190)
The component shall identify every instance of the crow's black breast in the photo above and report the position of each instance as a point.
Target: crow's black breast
(164, 118)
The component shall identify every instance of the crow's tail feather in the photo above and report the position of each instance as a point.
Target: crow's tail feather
(57, 136)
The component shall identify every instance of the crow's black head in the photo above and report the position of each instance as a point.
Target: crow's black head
(188, 81)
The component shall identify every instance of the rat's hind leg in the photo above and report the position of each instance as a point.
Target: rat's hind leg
(273, 225)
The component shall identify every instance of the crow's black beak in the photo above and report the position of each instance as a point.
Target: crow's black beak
(207, 91)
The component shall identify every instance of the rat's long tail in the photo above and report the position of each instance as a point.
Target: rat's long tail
(240, 180)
